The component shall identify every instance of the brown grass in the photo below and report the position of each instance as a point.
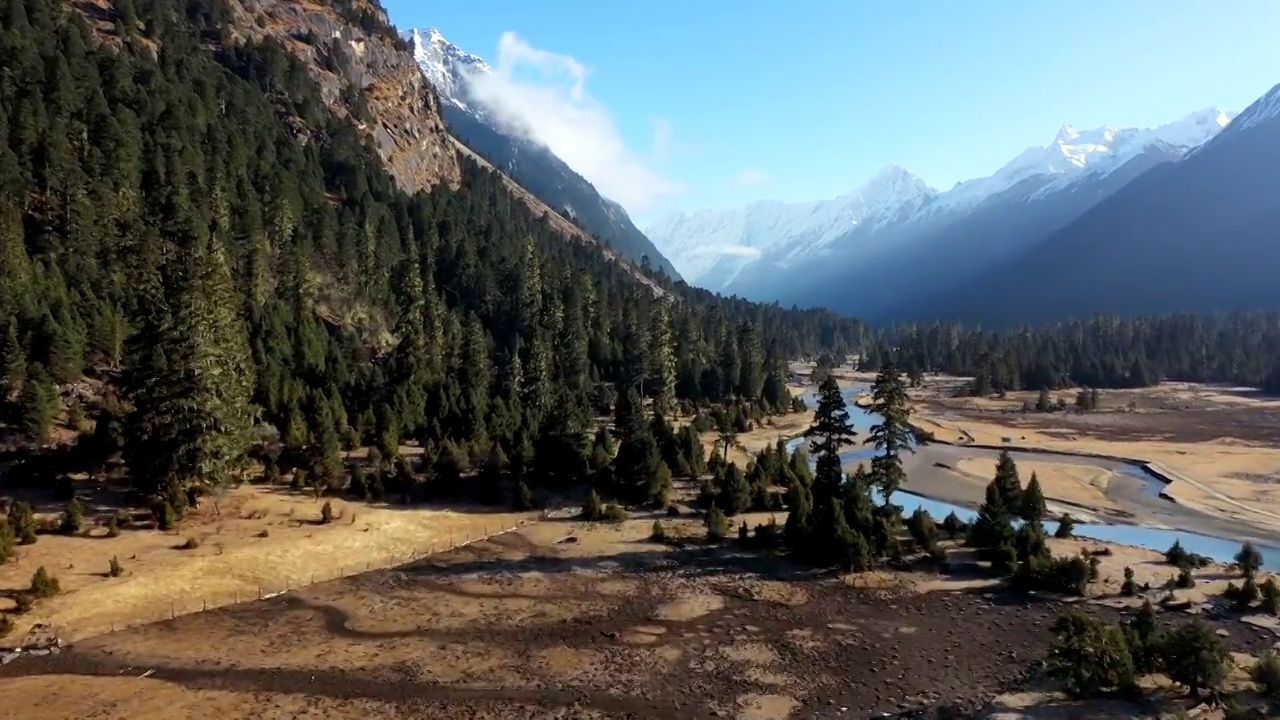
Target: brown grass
(259, 542)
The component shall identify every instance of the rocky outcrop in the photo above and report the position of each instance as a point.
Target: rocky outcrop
(350, 46)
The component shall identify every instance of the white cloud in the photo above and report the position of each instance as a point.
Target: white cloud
(750, 177)
(543, 95)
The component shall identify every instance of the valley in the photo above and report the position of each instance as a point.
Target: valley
(337, 380)
(568, 619)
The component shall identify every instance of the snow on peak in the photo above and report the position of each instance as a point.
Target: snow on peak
(1075, 154)
(1262, 109)
(446, 65)
(711, 247)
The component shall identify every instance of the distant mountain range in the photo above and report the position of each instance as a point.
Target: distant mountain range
(1198, 234)
(946, 248)
(530, 163)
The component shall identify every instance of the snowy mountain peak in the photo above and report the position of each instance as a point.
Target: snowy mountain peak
(446, 65)
(1264, 108)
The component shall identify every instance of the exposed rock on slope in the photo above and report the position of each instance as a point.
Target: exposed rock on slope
(356, 48)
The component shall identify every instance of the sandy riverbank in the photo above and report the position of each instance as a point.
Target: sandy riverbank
(1217, 445)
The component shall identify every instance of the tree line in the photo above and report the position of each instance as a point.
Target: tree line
(200, 265)
(1102, 352)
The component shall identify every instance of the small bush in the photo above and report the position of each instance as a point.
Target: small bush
(614, 512)
(114, 569)
(23, 602)
(191, 544)
(1270, 594)
(72, 518)
(166, 516)
(658, 533)
(113, 526)
(673, 511)
(524, 497)
(1066, 527)
(593, 507)
(1185, 579)
(938, 554)
(717, 524)
(1249, 560)
(1129, 588)
(43, 585)
(264, 533)
(6, 625)
(768, 533)
(954, 526)
(1266, 672)
(23, 522)
(326, 513)
(744, 532)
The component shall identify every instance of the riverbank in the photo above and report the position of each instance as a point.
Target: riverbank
(1231, 479)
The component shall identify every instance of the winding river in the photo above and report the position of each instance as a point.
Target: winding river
(1132, 489)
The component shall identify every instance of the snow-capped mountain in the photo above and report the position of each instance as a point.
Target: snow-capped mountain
(452, 72)
(741, 250)
(1195, 235)
(446, 66)
(711, 247)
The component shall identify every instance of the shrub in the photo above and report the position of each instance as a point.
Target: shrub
(673, 511)
(1249, 560)
(6, 625)
(524, 497)
(1066, 527)
(359, 484)
(23, 602)
(938, 554)
(1094, 562)
(614, 512)
(1185, 579)
(191, 544)
(1266, 672)
(717, 524)
(1090, 655)
(1270, 594)
(326, 513)
(43, 585)
(953, 525)
(1067, 575)
(1195, 656)
(744, 532)
(114, 569)
(658, 533)
(23, 522)
(72, 518)
(593, 507)
(113, 525)
(166, 516)
(768, 533)
(922, 529)
(1128, 588)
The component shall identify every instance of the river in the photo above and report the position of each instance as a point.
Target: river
(1134, 490)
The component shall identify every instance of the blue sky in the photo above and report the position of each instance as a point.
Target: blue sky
(714, 103)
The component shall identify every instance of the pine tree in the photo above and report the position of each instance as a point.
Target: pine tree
(734, 492)
(1007, 482)
(38, 406)
(13, 363)
(661, 384)
(1032, 507)
(636, 465)
(992, 531)
(830, 432)
(892, 434)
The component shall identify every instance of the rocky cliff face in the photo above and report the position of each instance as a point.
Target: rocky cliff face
(350, 45)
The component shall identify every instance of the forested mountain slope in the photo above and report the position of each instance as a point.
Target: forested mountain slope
(198, 229)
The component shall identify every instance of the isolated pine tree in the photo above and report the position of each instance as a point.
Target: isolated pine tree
(1032, 508)
(892, 435)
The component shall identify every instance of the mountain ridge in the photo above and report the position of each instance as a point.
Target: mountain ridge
(529, 162)
(1073, 156)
